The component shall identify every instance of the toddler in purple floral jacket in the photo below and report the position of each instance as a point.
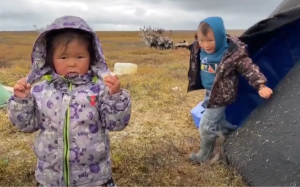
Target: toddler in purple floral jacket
(74, 108)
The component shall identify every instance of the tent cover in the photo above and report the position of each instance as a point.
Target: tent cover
(265, 150)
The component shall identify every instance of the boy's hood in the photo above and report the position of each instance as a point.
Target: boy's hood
(39, 69)
(217, 25)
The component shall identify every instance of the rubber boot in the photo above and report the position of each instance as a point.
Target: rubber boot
(226, 128)
(207, 146)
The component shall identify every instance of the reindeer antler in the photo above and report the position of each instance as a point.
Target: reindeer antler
(170, 33)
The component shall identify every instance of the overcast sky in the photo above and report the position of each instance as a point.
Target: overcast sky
(133, 14)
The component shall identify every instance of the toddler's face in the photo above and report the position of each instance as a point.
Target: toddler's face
(207, 42)
(74, 58)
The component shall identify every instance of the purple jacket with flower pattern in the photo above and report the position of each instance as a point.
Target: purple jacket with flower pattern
(73, 114)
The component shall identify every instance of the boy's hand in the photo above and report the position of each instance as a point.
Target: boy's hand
(22, 89)
(113, 83)
(265, 92)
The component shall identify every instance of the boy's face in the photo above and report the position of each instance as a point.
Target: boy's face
(71, 59)
(207, 42)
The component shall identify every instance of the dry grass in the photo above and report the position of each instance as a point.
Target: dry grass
(152, 150)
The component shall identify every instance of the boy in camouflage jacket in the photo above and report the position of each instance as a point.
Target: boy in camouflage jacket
(215, 62)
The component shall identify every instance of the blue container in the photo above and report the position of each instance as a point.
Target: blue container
(197, 113)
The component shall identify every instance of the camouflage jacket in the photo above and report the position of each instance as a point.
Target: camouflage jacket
(225, 85)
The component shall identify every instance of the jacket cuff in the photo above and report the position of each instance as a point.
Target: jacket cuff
(25, 100)
(118, 96)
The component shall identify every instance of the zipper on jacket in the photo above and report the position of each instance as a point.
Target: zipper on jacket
(66, 139)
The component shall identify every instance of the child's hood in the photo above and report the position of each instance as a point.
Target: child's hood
(217, 25)
(39, 69)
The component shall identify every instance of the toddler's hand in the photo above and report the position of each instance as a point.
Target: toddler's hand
(21, 88)
(113, 83)
(265, 92)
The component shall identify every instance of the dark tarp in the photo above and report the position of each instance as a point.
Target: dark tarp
(269, 41)
(285, 6)
(265, 150)
(264, 31)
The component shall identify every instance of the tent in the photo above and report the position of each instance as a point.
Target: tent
(5, 93)
(265, 150)
(277, 34)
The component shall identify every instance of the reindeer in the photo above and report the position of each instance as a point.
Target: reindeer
(155, 39)
(183, 44)
(169, 45)
(154, 44)
(166, 45)
(168, 41)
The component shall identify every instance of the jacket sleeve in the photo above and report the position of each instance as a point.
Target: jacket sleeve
(250, 71)
(22, 113)
(194, 79)
(190, 47)
(115, 110)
